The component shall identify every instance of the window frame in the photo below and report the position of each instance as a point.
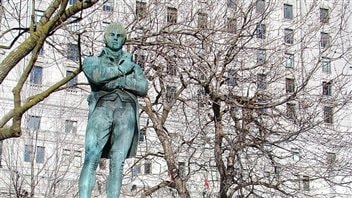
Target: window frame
(108, 6)
(289, 60)
(141, 10)
(324, 15)
(327, 88)
(290, 85)
(324, 39)
(260, 6)
(261, 81)
(171, 16)
(288, 11)
(326, 65)
(288, 36)
(328, 114)
(36, 75)
(202, 20)
(40, 154)
(33, 122)
(71, 126)
(73, 47)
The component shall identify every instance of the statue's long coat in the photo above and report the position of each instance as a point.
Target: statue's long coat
(100, 69)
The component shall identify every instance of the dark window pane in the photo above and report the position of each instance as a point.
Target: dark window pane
(324, 15)
(36, 75)
(288, 11)
(260, 6)
(40, 154)
(171, 15)
(288, 36)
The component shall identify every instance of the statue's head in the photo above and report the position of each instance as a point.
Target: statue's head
(115, 36)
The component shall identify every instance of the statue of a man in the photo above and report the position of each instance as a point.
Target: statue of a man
(113, 123)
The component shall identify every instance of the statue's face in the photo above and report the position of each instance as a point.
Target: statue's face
(114, 40)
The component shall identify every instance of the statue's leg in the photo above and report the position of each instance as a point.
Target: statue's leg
(125, 123)
(97, 134)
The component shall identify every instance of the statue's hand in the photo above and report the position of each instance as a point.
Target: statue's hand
(126, 66)
(114, 84)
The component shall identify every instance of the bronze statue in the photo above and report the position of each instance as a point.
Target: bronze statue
(113, 122)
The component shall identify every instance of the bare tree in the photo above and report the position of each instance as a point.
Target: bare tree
(23, 42)
(251, 96)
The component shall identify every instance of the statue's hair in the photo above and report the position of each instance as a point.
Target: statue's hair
(115, 26)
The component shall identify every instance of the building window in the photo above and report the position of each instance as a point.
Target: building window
(260, 31)
(290, 85)
(231, 25)
(330, 158)
(70, 126)
(261, 56)
(288, 11)
(73, 24)
(288, 36)
(324, 39)
(231, 3)
(71, 84)
(148, 167)
(141, 9)
(305, 182)
(170, 93)
(327, 88)
(141, 59)
(142, 135)
(77, 158)
(261, 81)
(28, 151)
(33, 122)
(231, 78)
(36, 75)
(202, 20)
(260, 6)
(291, 110)
(326, 65)
(328, 114)
(39, 157)
(108, 6)
(136, 169)
(171, 16)
(38, 16)
(324, 15)
(171, 69)
(295, 154)
(72, 1)
(289, 60)
(72, 52)
(182, 169)
(74, 157)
